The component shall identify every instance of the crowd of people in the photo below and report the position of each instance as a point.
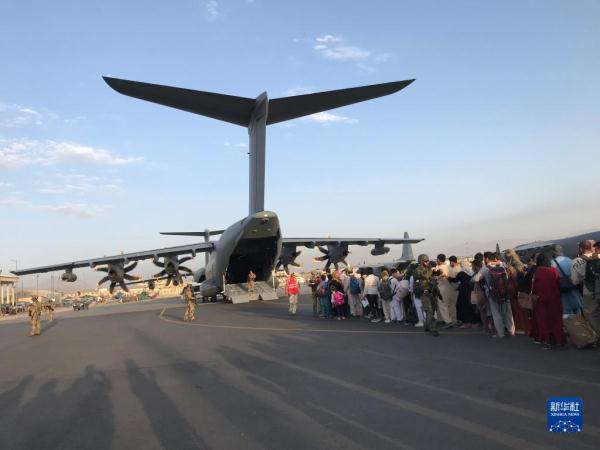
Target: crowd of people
(497, 293)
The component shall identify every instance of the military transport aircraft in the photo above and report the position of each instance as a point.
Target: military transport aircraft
(570, 245)
(255, 242)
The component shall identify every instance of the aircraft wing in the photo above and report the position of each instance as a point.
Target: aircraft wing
(312, 242)
(124, 258)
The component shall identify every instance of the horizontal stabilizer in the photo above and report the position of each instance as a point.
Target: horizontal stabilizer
(193, 233)
(287, 108)
(236, 110)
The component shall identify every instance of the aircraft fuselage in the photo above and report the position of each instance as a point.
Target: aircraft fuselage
(253, 243)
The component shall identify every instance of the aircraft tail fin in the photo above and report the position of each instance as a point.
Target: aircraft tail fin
(407, 252)
(228, 108)
(238, 110)
(287, 108)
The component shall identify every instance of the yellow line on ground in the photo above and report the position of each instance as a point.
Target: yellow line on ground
(314, 330)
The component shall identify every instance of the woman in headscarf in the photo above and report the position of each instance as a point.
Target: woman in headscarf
(516, 278)
(547, 327)
(466, 312)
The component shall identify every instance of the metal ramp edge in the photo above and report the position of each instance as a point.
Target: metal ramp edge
(238, 293)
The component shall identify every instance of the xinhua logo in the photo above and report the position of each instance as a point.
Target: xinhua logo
(565, 414)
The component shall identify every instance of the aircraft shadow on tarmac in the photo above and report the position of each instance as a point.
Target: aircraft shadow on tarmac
(81, 416)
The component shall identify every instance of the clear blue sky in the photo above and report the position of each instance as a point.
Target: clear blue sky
(497, 140)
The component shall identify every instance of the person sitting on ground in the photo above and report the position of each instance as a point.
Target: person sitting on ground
(496, 282)
(547, 324)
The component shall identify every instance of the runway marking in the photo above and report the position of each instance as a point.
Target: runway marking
(465, 425)
(315, 330)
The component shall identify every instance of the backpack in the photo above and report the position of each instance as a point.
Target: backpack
(592, 276)
(338, 298)
(323, 288)
(354, 286)
(564, 282)
(498, 284)
(385, 290)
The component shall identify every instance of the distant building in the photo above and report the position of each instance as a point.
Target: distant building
(7, 289)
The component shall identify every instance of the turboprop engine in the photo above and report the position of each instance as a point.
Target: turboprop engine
(172, 268)
(117, 273)
(379, 250)
(288, 258)
(68, 276)
(333, 254)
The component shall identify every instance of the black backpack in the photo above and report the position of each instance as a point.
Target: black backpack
(564, 282)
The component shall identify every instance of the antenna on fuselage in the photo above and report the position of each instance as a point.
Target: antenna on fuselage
(254, 114)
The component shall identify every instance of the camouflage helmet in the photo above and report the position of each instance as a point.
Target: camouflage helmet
(422, 257)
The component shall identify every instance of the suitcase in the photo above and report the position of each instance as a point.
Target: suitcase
(579, 330)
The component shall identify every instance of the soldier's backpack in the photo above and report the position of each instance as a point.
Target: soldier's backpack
(354, 285)
(385, 290)
(592, 276)
(498, 284)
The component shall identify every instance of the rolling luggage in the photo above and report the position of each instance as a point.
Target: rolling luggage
(579, 330)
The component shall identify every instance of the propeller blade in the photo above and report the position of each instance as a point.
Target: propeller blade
(295, 264)
(160, 274)
(130, 267)
(157, 263)
(321, 258)
(186, 269)
(102, 281)
(131, 277)
(169, 279)
(112, 287)
(124, 286)
(101, 269)
(323, 250)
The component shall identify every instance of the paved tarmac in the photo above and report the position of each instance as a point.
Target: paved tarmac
(250, 377)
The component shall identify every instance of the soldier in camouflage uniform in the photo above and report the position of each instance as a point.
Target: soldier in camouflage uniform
(35, 312)
(190, 300)
(425, 288)
(50, 311)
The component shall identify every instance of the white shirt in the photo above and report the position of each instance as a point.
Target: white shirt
(371, 285)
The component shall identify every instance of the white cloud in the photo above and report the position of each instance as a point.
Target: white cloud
(6, 185)
(212, 10)
(14, 115)
(337, 49)
(327, 117)
(24, 151)
(80, 210)
(238, 145)
(299, 90)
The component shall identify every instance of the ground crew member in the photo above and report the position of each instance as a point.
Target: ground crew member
(424, 288)
(50, 310)
(190, 300)
(291, 289)
(35, 312)
(251, 278)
